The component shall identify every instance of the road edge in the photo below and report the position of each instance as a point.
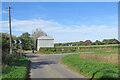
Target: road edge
(28, 75)
(74, 70)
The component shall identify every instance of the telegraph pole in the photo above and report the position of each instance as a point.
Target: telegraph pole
(10, 31)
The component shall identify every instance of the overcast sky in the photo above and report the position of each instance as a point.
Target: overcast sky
(64, 21)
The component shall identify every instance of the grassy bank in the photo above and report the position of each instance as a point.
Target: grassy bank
(91, 67)
(16, 69)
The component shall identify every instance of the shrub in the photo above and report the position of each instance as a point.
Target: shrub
(51, 49)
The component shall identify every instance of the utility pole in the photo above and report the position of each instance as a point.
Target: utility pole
(11, 52)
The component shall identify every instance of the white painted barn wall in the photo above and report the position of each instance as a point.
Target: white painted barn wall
(45, 41)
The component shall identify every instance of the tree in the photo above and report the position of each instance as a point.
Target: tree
(73, 43)
(114, 41)
(6, 41)
(27, 42)
(81, 43)
(35, 34)
(110, 41)
(88, 42)
(105, 41)
(97, 42)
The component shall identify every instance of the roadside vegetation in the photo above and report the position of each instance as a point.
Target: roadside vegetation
(14, 67)
(17, 66)
(113, 49)
(104, 45)
(96, 59)
(91, 67)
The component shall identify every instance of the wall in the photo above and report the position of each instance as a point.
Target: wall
(45, 43)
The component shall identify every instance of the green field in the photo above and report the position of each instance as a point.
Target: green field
(91, 67)
(101, 51)
(92, 45)
(17, 69)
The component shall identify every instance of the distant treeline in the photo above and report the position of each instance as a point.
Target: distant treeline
(89, 42)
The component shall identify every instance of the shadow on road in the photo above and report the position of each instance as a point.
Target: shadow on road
(41, 64)
(30, 56)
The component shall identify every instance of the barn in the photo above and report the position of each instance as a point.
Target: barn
(45, 41)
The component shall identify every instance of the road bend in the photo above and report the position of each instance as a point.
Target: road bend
(49, 66)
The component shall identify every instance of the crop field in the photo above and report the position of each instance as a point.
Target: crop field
(91, 67)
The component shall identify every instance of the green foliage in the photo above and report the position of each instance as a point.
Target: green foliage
(101, 46)
(5, 41)
(17, 69)
(16, 66)
(49, 50)
(6, 58)
(88, 42)
(98, 42)
(110, 41)
(91, 67)
(55, 50)
(27, 42)
(101, 49)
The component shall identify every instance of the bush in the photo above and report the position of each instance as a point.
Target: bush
(6, 58)
(74, 49)
(54, 50)
(51, 49)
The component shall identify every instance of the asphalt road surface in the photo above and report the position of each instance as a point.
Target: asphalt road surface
(49, 66)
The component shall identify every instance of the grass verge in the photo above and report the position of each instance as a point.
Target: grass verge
(90, 67)
(17, 69)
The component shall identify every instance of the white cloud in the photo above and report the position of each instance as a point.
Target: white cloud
(62, 32)
(3, 11)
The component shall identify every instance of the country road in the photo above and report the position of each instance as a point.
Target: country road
(49, 66)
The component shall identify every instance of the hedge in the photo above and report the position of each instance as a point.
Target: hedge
(73, 49)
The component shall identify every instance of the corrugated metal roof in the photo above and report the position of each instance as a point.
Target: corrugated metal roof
(45, 37)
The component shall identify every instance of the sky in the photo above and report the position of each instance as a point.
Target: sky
(64, 21)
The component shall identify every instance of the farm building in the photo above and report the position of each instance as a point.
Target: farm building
(45, 41)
